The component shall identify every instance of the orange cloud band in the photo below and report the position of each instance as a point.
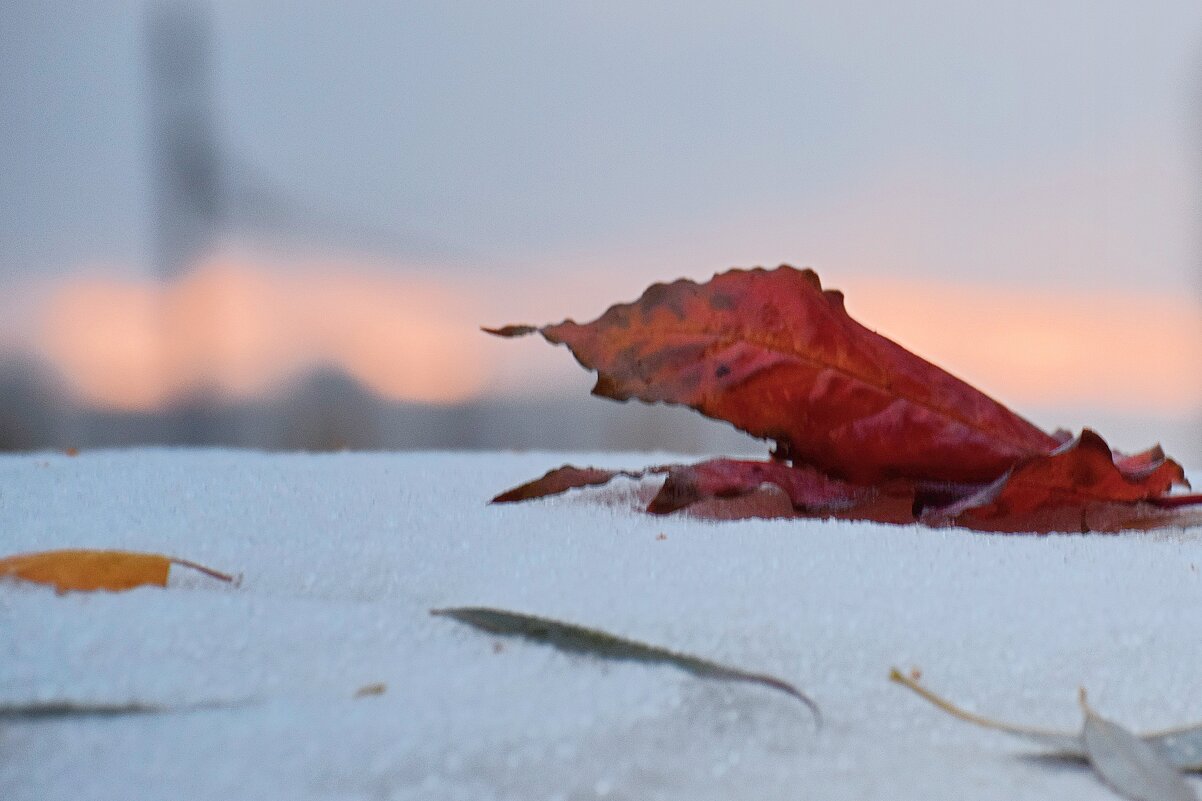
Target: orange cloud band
(243, 331)
(242, 328)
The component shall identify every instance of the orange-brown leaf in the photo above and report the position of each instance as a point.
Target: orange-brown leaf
(89, 570)
(773, 353)
(1062, 490)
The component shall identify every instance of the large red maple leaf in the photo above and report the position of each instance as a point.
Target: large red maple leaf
(855, 417)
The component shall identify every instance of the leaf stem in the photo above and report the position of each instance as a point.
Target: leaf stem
(947, 706)
(208, 571)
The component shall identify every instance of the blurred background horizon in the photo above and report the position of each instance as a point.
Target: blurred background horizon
(280, 224)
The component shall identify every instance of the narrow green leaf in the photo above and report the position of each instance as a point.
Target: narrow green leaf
(581, 640)
(64, 709)
(38, 710)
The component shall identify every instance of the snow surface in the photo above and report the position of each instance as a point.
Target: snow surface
(343, 555)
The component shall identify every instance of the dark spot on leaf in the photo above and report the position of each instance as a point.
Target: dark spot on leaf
(720, 301)
(721, 371)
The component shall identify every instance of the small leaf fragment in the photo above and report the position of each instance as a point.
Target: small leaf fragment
(593, 642)
(1129, 765)
(367, 690)
(565, 478)
(89, 570)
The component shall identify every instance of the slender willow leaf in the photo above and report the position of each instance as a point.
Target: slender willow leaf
(68, 709)
(368, 690)
(1130, 766)
(581, 640)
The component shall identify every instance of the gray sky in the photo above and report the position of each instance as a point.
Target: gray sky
(1035, 140)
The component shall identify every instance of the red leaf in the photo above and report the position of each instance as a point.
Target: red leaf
(1078, 488)
(864, 429)
(1060, 490)
(774, 354)
(808, 490)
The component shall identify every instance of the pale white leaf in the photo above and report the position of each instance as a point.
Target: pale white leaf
(1181, 747)
(1130, 766)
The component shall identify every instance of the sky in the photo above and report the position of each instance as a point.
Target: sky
(509, 132)
(571, 153)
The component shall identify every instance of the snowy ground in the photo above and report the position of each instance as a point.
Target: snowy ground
(343, 555)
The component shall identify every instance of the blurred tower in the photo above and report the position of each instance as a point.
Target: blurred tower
(187, 181)
(186, 168)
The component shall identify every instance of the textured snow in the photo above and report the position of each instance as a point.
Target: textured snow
(343, 555)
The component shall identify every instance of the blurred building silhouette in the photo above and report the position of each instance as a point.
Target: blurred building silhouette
(330, 411)
(203, 195)
(187, 173)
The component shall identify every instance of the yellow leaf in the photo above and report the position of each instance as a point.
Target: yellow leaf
(88, 570)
